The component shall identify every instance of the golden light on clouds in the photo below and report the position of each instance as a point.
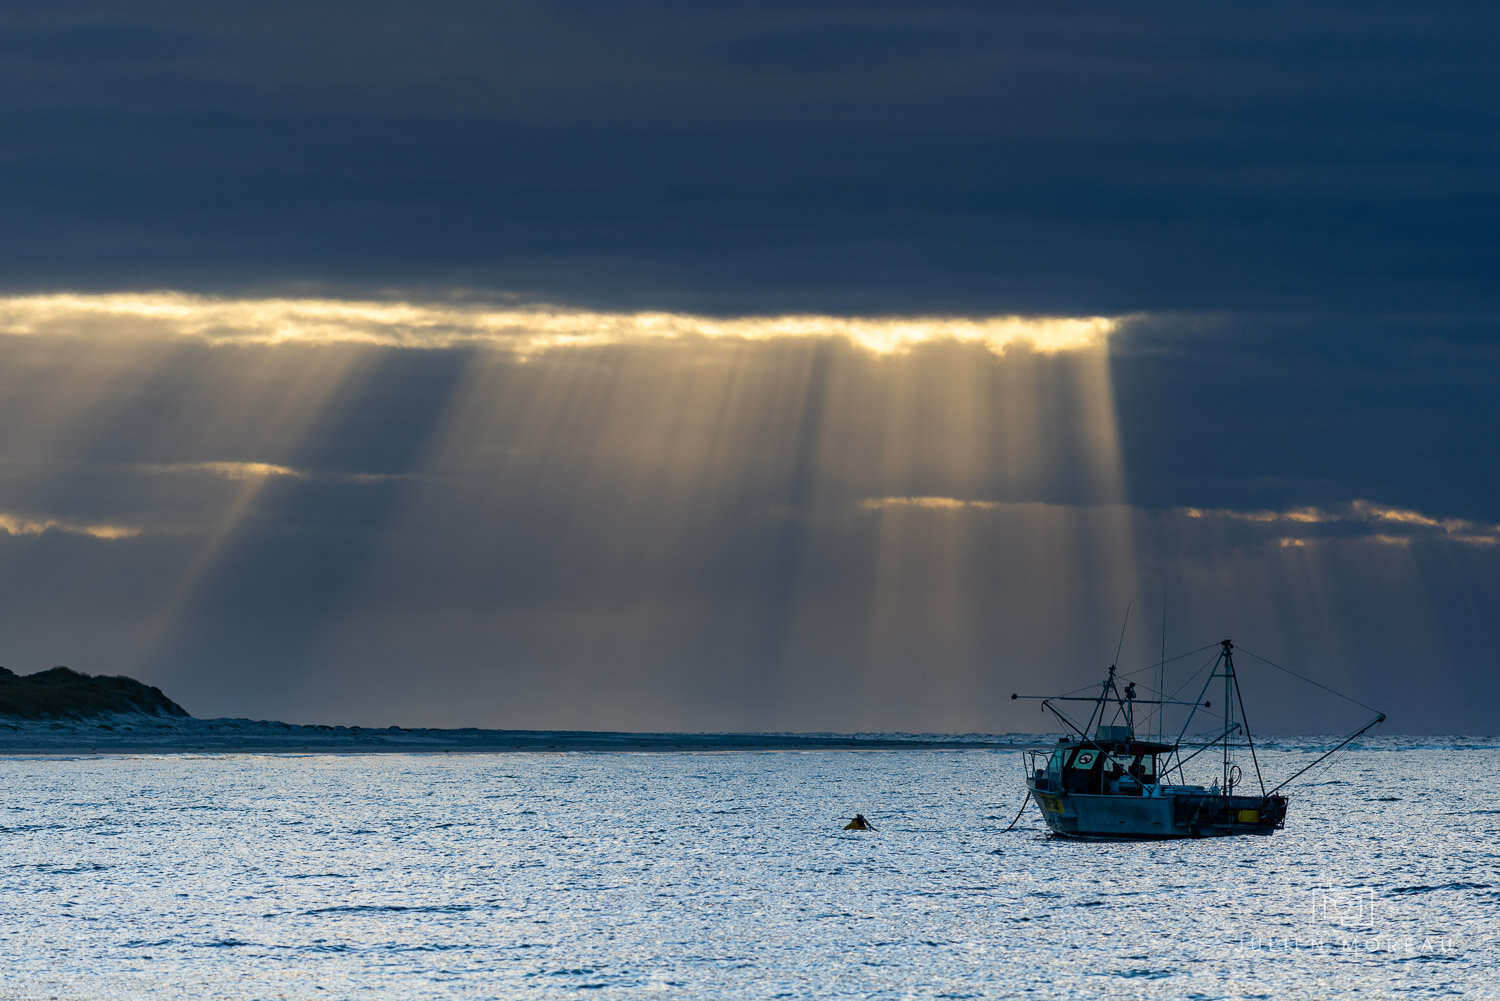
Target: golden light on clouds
(14, 524)
(228, 470)
(520, 330)
(928, 503)
(820, 508)
(1363, 519)
(239, 471)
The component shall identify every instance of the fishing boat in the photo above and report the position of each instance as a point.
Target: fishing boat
(1103, 781)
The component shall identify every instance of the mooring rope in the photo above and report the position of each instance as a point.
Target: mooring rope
(1013, 823)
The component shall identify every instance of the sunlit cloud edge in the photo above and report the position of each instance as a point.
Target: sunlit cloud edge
(225, 470)
(1365, 519)
(241, 471)
(23, 525)
(929, 503)
(1294, 527)
(520, 330)
(17, 524)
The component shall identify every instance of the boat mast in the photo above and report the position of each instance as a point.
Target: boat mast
(1228, 707)
(1127, 703)
(1096, 718)
(1161, 672)
(1225, 659)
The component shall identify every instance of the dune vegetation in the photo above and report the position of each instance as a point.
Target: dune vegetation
(62, 692)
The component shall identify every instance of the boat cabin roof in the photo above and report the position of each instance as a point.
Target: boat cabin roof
(1131, 747)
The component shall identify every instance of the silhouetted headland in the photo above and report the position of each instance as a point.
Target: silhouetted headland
(63, 693)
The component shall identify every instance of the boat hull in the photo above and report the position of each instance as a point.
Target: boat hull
(1162, 813)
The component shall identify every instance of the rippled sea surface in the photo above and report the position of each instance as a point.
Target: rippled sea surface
(693, 875)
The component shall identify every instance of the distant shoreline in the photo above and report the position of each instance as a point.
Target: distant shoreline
(131, 734)
(142, 734)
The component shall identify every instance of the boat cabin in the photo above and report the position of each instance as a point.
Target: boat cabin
(1104, 767)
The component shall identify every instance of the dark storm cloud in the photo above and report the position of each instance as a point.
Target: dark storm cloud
(1273, 410)
(865, 157)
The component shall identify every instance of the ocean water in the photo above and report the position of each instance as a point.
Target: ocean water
(726, 875)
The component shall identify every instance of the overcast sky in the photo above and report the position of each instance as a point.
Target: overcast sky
(808, 366)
